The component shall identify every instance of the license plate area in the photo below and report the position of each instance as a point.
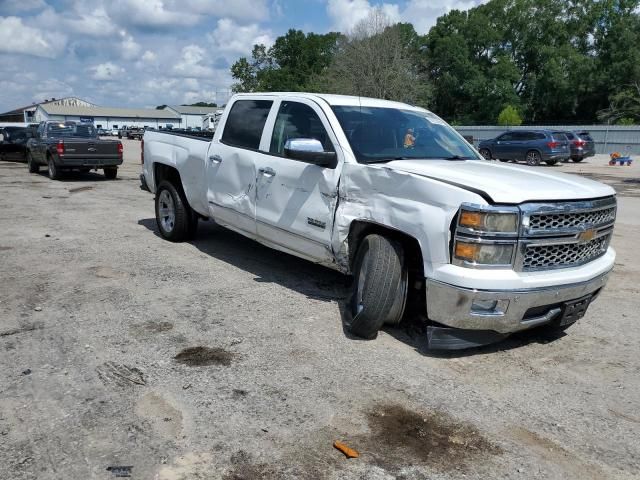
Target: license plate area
(575, 310)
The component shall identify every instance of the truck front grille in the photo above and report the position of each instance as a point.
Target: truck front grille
(555, 221)
(538, 257)
(564, 234)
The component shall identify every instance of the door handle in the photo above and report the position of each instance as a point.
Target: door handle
(267, 172)
(215, 158)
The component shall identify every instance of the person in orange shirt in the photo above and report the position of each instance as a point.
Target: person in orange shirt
(409, 139)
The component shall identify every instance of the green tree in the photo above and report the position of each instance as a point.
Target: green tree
(200, 104)
(509, 117)
(289, 65)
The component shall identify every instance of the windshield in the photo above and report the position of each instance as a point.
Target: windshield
(71, 129)
(384, 134)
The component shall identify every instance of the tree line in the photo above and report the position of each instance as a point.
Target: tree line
(531, 61)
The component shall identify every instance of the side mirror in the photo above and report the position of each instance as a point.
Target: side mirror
(309, 150)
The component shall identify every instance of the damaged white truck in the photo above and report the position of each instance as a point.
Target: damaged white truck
(394, 196)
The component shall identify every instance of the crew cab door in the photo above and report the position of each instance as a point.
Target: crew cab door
(231, 165)
(296, 201)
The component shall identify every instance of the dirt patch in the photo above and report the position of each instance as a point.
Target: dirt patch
(152, 327)
(557, 457)
(80, 189)
(164, 418)
(401, 437)
(205, 356)
(243, 469)
(107, 272)
(3, 249)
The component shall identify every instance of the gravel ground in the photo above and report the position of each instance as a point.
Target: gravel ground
(220, 358)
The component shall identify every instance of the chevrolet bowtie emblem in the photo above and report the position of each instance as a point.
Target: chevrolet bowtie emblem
(586, 236)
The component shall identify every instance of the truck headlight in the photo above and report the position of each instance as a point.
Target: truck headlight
(490, 254)
(489, 222)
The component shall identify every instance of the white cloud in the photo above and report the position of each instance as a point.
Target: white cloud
(16, 37)
(149, 57)
(245, 11)
(229, 37)
(51, 88)
(346, 14)
(191, 63)
(152, 14)
(20, 6)
(96, 22)
(129, 48)
(106, 71)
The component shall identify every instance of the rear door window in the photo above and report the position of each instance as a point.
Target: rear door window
(559, 136)
(586, 136)
(506, 137)
(245, 123)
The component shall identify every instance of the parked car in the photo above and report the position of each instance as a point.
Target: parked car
(115, 131)
(131, 133)
(486, 249)
(72, 146)
(581, 144)
(532, 146)
(13, 144)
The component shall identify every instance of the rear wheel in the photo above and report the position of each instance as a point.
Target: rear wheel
(85, 170)
(110, 173)
(551, 162)
(176, 220)
(380, 286)
(31, 164)
(504, 160)
(486, 153)
(54, 171)
(577, 159)
(533, 158)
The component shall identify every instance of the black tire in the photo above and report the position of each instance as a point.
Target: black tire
(31, 164)
(110, 173)
(85, 170)
(184, 224)
(504, 160)
(486, 153)
(577, 159)
(54, 171)
(380, 286)
(551, 162)
(533, 158)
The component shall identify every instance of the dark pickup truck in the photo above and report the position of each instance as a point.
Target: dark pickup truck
(72, 146)
(132, 133)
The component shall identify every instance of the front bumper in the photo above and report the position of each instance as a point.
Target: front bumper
(515, 310)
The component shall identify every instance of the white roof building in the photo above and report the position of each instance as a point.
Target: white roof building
(108, 117)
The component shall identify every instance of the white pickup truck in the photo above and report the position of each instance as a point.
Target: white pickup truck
(394, 196)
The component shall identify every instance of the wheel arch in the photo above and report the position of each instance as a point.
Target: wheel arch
(361, 228)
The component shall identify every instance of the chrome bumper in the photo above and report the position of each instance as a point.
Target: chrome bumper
(459, 307)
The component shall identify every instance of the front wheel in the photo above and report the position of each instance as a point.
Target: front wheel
(533, 158)
(380, 286)
(110, 173)
(176, 220)
(31, 164)
(485, 153)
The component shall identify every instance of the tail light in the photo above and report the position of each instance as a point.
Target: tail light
(120, 149)
(553, 144)
(579, 143)
(60, 148)
(142, 151)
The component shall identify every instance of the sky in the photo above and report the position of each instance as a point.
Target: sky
(143, 53)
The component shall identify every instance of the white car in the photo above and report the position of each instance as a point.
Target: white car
(114, 132)
(391, 194)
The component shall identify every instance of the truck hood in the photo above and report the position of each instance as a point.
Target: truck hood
(505, 183)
